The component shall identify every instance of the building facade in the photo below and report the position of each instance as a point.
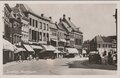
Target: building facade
(74, 36)
(102, 43)
(53, 34)
(7, 23)
(61, 37)
(39, 28)
(25, 23)
(35, 33)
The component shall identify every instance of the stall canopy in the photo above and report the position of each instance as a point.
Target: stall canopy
(72, 50)
(36, 47)
(49, 47)
(28, 48)
(57, 51)
(7, 46)
(19, 50)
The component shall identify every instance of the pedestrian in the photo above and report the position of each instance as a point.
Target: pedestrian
(36, 57)
(99, 58)
(19, 57)
(30, 57)
(114, 59)
(105, 58)
(109, 58)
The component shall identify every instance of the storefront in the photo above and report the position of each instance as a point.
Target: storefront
(22, 52)
(29, 50)
(57, 53)
(71, 52)
(47, 52)
(8, 51)
(37, 50)
(54, 42)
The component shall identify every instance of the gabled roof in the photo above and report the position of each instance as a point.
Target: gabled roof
(107, 39)
(100, 39)
(72, 25)
(113, 37)
(61, 27)
(26, 9)
(8, 7)
(69, 29)
(15, 9)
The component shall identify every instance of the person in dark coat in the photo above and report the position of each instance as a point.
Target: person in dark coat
(109, 58)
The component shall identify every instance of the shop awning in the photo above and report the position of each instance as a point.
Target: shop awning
(63, 40)
(28, 47)
(36, 47)
(53, 39)
(72, 50)
(7, 46)
(57, 51)
(49, 47)
(19, 50)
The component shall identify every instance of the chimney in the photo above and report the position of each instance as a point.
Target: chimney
(50, 18)
(64, 16)
(69, 18)
(42, 15)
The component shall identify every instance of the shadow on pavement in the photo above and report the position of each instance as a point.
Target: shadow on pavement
(85, 64)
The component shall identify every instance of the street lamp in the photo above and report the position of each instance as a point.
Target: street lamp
(115, 18)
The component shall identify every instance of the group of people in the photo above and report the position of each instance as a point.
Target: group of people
(21, 58)
(105, 58)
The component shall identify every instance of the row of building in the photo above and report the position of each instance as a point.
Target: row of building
(29, 32)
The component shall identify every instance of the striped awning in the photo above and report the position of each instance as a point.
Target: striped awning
(36, 47)
(19, 50)
(49, 47)
(72, 50)
(57, 51)
(28, 48)
(7, 46)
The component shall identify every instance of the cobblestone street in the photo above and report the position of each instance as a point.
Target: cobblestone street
(52, 67)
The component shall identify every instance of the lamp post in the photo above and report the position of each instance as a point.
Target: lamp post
(115, 18)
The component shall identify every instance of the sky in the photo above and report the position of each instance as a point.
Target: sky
(93, 19)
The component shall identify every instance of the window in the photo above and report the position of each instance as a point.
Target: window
(47, 27)
(44, 39)
(40, 25)
(30, 21)
(44, 26)
(36, 23)
(33, 22)
(40, 36)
